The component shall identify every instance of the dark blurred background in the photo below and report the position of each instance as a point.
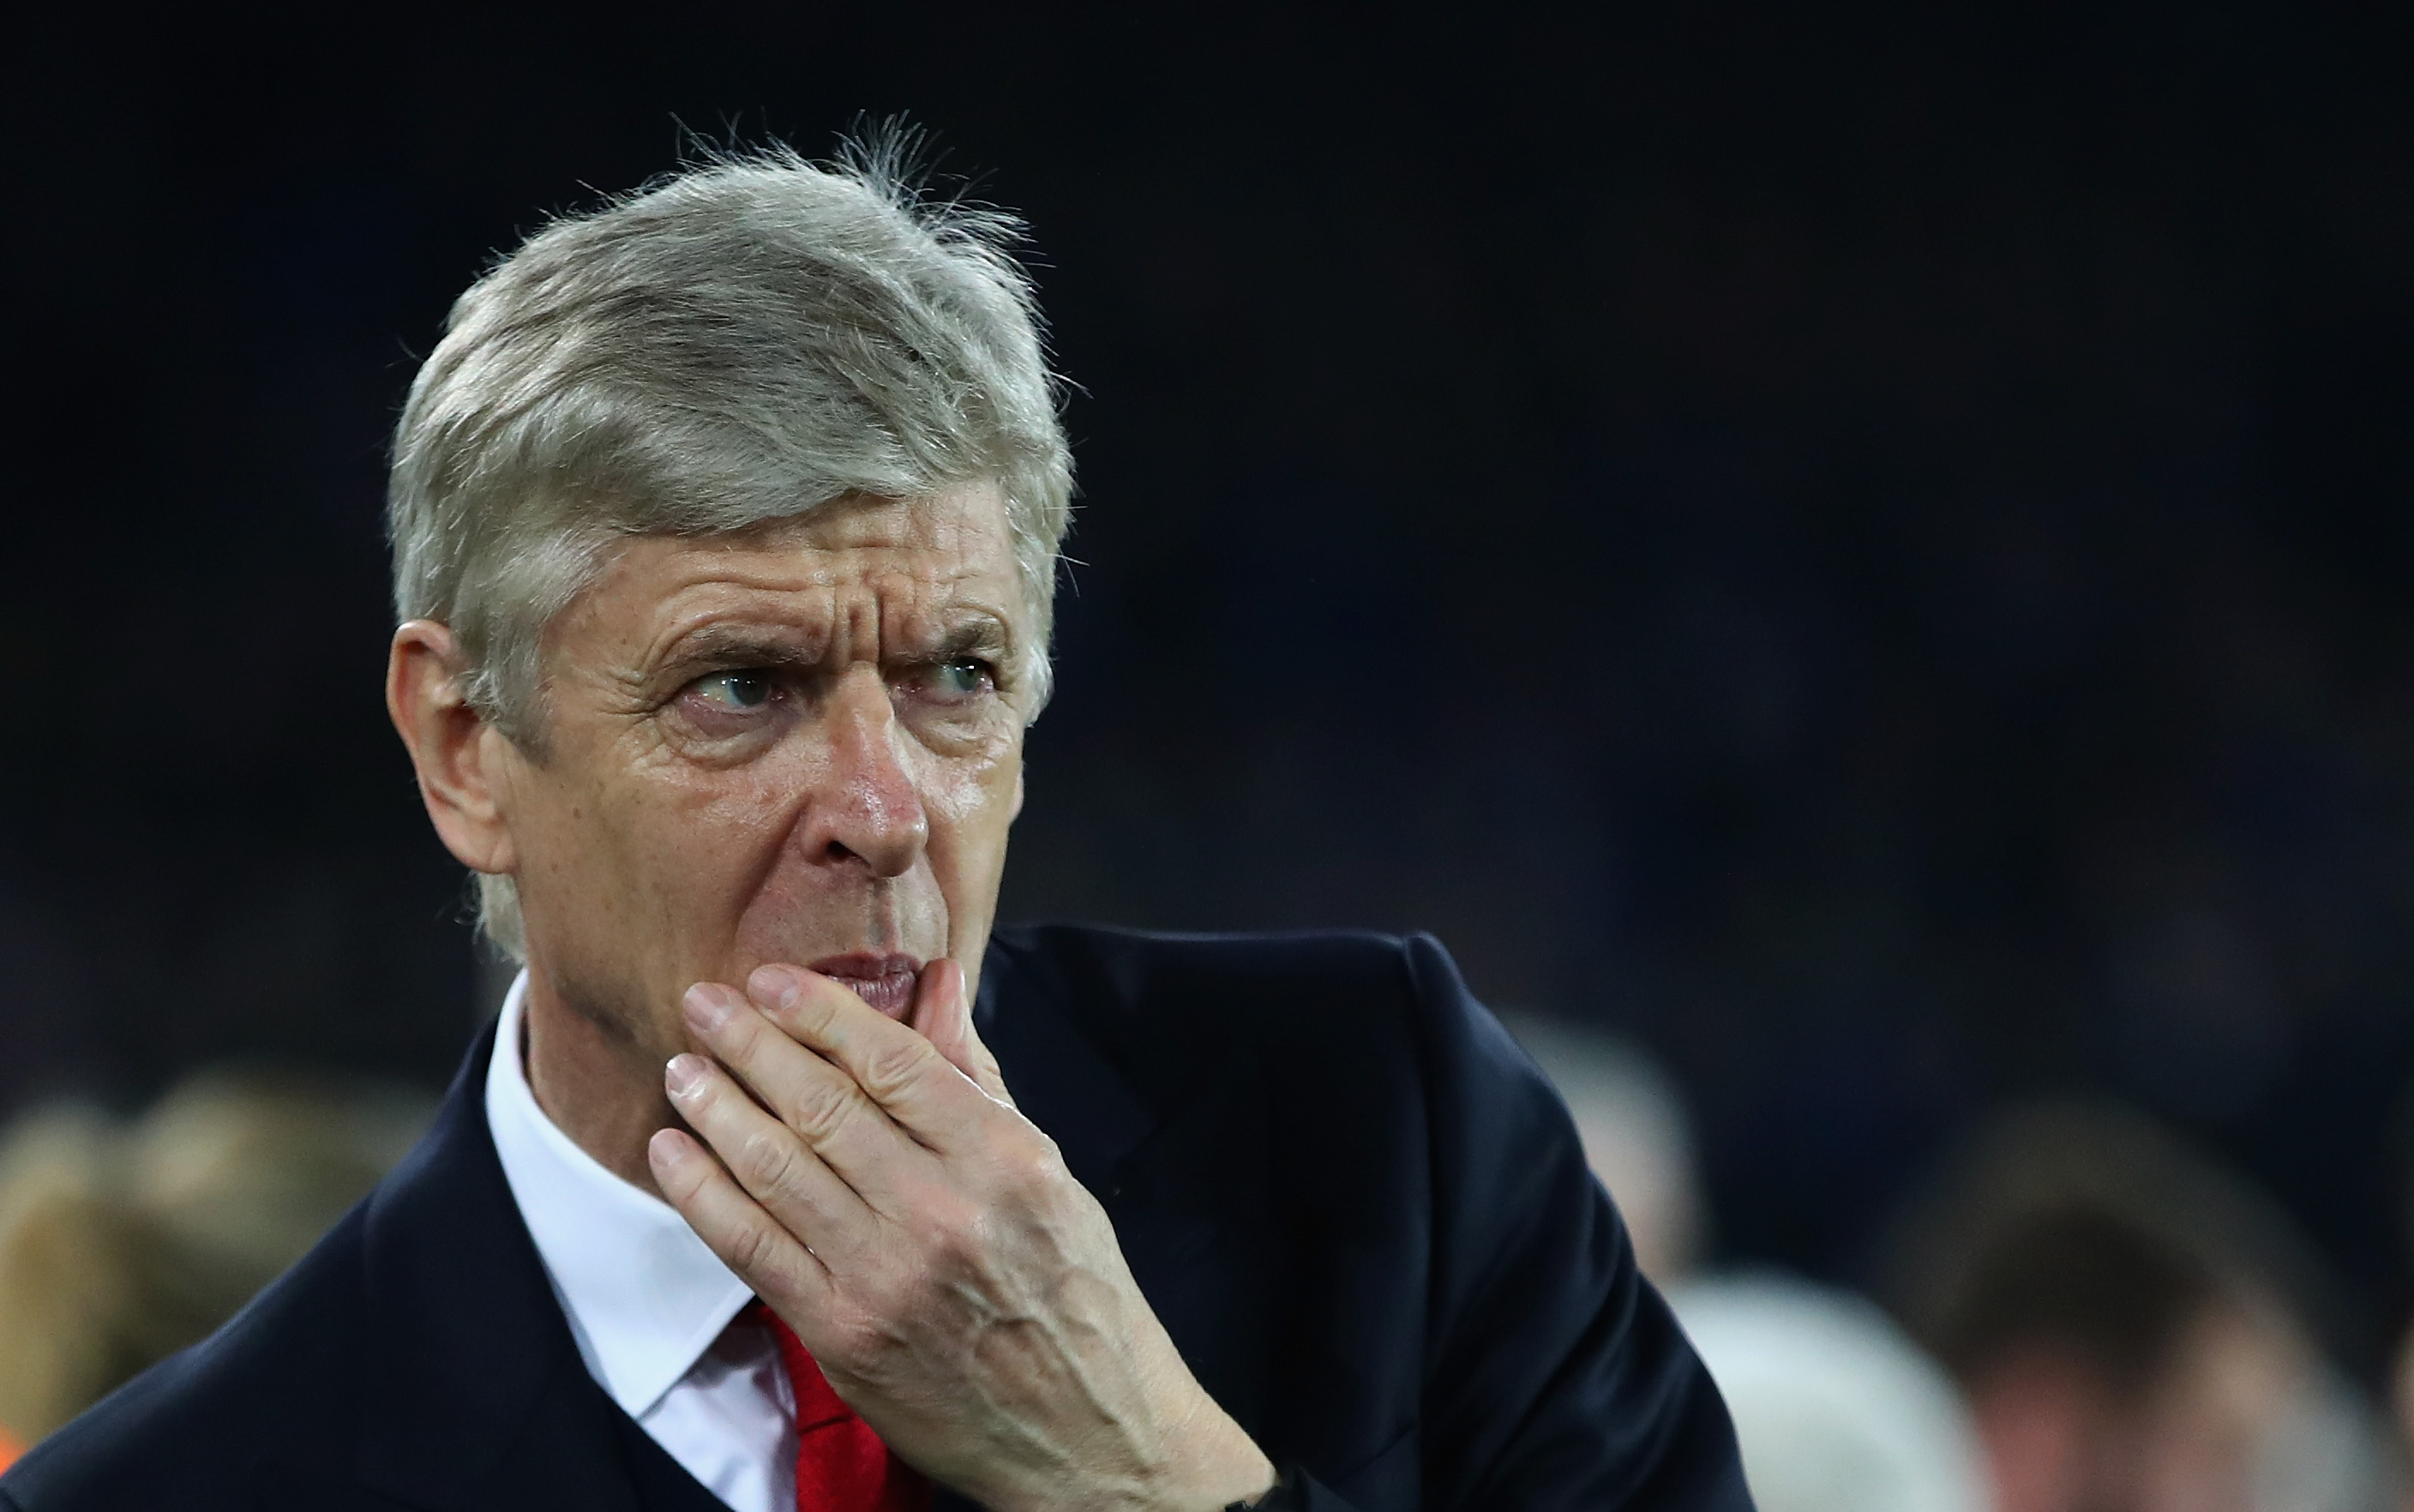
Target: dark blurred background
(1868, 553)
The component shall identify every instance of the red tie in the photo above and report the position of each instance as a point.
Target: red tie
(841, 1465)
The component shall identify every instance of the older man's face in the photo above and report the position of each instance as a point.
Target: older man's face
(801, 745)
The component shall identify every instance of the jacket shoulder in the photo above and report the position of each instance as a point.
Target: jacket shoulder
(1233, 986)
(236, 1420)
(1124, 951)
(1356, 1039)
(1342, 1020)
(1391, 1165)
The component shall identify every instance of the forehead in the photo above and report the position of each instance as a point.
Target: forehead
(965, 528)
(954, 545)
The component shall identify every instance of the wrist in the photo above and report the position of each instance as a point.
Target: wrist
(1211, 1466)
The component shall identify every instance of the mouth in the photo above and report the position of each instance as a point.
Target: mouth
(884, 980)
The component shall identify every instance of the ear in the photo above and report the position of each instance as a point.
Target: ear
(459, 756)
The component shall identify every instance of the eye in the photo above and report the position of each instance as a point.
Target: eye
(733, 691)
(960, 681)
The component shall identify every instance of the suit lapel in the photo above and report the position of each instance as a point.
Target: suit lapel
(478, 1398)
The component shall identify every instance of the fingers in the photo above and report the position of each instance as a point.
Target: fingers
(897, 1068)
(943, 1014)
(776, 1172)
(749, 1240)
(820, 1100)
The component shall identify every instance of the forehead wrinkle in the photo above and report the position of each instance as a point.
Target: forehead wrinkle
(880, 530)
(818, 628)
(854, 586)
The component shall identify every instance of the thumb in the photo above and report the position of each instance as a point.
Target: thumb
(943, 1014)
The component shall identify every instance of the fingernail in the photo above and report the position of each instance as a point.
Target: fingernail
(683, 1074)
(775, 985)
(709, 1006)
(666, 1148)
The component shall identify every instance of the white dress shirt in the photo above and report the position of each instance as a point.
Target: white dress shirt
(652, 1307)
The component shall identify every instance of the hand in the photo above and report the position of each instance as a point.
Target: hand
(955, 1283)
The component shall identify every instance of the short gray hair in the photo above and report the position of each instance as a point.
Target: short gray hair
(742, 342)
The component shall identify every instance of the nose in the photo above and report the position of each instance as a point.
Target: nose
(870, 813)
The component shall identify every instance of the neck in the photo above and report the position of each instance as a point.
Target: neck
(596, 1082)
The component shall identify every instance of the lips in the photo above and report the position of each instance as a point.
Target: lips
(884, 980)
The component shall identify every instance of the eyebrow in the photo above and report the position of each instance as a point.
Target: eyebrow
(978, 630)
(975, 630)
(734, 646)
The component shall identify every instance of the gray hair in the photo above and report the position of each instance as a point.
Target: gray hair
(745, 341)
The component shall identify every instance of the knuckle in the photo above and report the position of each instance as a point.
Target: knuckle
(881, 1300)
(821, 1110)
(807, 1015)
(953, 1229)
(1030, 1168)
(734, 1042)
(747, 1034)
(993, 1078)
(1047, 1155)
(751, 1247)
(856, 1341)
(687, 1184)
(891, 1068)
(767, 1161)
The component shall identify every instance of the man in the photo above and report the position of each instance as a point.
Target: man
(2132, 1324)
(725, 523)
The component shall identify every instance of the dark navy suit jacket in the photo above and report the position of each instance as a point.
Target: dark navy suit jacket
(1359, 1210)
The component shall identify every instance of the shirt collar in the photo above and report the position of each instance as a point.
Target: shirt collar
(645, 1297)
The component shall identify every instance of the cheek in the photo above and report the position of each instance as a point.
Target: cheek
(695, 842)
(974, 796)
(552, 820)
(970, 816)
(971, 806)
(732, 825)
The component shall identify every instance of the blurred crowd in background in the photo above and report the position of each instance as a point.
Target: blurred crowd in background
(2078, 1312)
(124, 1240)
(1865, 557)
